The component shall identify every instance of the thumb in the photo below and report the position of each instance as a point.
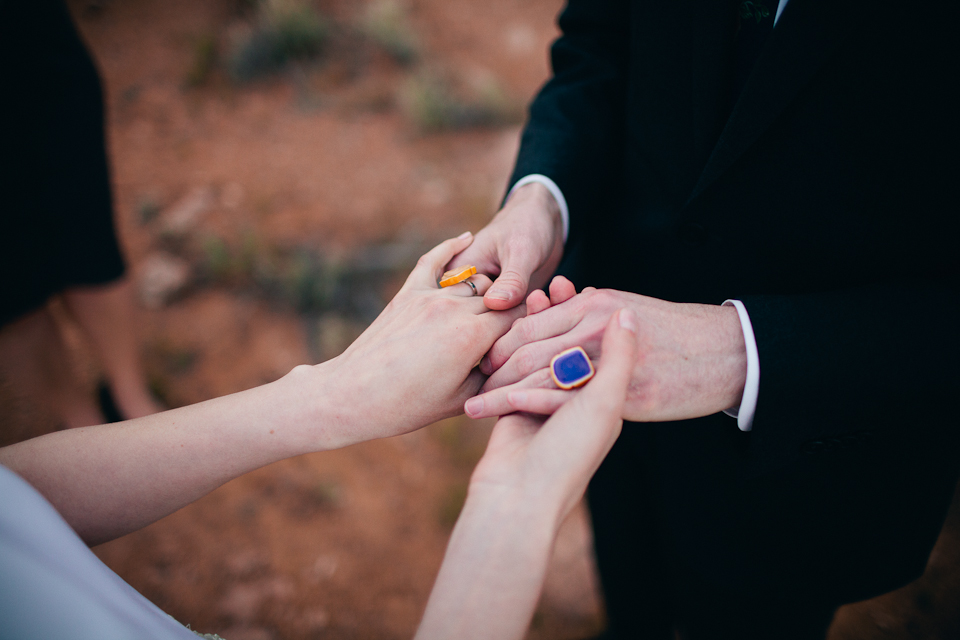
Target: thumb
(510, 287)
(606, 393)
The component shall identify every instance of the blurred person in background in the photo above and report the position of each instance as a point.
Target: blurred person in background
(770, 187)
(58, 235)
(413, 366)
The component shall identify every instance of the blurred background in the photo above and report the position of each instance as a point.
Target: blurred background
(278, 167)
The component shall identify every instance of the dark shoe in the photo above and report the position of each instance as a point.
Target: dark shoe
(107, 405)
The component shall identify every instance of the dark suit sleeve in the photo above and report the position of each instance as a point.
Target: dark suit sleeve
(573, 132)
(845, 370)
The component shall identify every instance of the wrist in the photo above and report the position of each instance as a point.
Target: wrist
(734, 377)
(536, 195)
(532, 503)
(309, 410)
(531, 520)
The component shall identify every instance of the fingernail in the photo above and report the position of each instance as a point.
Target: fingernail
(497, 294)
(464, 235)
(517, 397)
(628, 320)
(473, 406)
(486, 367)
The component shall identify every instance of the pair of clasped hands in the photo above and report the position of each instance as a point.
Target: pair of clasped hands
(690, 359)
(415, 365)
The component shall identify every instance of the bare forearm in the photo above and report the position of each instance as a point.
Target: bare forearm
(110, 480)
(493, 571)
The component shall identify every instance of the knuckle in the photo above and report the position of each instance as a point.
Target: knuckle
(512, 279)
(440, 306)
(523, 330)
(498, 357)
(526, 361)
(517, 244)
(603, 297)
(472, 332)
(542, 378)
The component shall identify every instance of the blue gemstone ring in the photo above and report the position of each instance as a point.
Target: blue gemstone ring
(571, 368)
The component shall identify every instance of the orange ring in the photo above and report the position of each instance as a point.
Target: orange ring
(456, 276)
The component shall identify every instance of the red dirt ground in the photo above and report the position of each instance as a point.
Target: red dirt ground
(343, 544)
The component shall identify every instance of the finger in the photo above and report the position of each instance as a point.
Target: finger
(605, 394)
(537, 301)
(517, 263)
(481, 253)
(480, 281)
(496, 402)
(529, 358)
(540, 401)
(552, 322)
(470, 386)
(561, 290)
(509, 431)
(474, 304)
(430, 265)
(495, 323)
(580, 434)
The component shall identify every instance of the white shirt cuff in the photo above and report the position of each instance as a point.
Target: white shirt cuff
(554, 191)
(751, 389)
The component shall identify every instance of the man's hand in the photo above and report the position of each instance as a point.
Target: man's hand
(691, 357)
(521, 246)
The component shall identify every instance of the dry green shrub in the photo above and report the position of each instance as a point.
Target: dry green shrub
(203, 61)
(386, 24)
(433, 103)
(282, 32)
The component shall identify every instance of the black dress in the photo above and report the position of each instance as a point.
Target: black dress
(57, 214)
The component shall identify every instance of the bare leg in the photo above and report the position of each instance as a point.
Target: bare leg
(106, 315)
(34, 360)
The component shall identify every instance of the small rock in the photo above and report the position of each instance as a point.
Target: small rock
(183, 216)
(247, 633)
(521, 39)
(322, 569)
(232, 196)
(246, 564)
(279, 588)
(242, 602)
(162, 276)
(435, 192)
(315, 619)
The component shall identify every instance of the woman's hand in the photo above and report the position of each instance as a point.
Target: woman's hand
(413, 366)
(558, 457)
(530, 477)
(416, 363)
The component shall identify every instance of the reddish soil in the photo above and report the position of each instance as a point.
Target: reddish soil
(343, 544)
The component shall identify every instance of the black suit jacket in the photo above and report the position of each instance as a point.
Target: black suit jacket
(823, 198)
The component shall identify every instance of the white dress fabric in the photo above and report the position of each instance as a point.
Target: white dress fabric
(53, 587)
